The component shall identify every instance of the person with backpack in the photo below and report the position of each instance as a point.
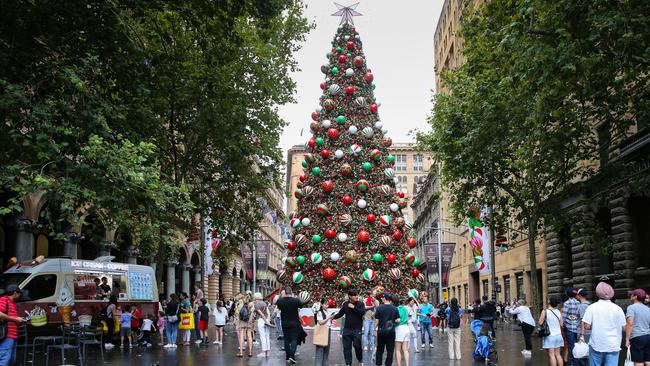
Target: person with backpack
(386, 315)
(353, 310)
(244, 325)
(454, 314)
(108, 317)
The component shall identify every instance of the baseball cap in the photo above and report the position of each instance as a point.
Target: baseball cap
(640, 293)
(11, 289)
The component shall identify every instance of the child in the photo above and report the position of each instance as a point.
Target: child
(204, 319)
(220, 316)
(161, 327)
(125, 326)
(147, 324)
(135, 322)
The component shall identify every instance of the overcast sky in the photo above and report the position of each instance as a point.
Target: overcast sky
(398, 43)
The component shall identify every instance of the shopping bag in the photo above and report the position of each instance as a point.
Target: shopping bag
(580, 350)
(628, 358)
(321, 335)
(187, 321)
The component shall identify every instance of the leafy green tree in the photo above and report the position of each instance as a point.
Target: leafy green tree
(518, 126)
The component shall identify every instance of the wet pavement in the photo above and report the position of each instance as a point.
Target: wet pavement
(509, 345)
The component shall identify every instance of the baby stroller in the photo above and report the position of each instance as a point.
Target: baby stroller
(484, 349)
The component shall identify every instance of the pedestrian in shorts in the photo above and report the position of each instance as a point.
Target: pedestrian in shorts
(203, 313)
(147, 328)
(220, 317)
(125, 326)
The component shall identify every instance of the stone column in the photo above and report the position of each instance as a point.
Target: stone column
(236, 286)
(24, 239)
(131, 254)
(625, 262)
(226, 286)
(70, 245)
(213, 288)
(185, 278)
(170, 283)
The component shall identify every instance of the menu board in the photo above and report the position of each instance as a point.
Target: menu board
(141, 286)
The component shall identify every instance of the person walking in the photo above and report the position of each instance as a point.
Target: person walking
(606, 321)
(454, 314)
(442, 318)
(108, 316)
(203, 315)
(9, 314)
(571, 320)
(277, 318)
(371, 304)
(321, 356)
(637, 329)
(425, 312)
(263, 321)
(413, 323)
(527, 323)
(125, 326)
(220, 315)
(554, 342)
(487, 313)
(172, 313)
(160, 325)
(353, 310)
(402, 334)
(289, 307)
(386, 315)
(244, 319)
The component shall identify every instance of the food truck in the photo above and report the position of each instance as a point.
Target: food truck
(58, 290)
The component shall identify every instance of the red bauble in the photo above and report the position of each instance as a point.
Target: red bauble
(397, 235)
(343, 59)
(369, 76)
(347, 200)
(323, 86)
(415, 273)
(358, 61)
(328, 186)
(330, 234)
(325, 154)
(302, 178)
(291, 245)
(330, 303)
(332, 133)
(400, 194)
(391, 258)
(311, 143)
(374, 108)
(314, 116)
(363, 236)
(370, 218)
(411, 243)
(329, 274)
(349, 90)
(350, 45)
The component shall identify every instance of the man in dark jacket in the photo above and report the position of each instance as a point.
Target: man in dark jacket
(289, 307)
(353, 310)
(386, 316)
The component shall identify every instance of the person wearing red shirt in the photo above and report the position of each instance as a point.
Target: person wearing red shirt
(135, 321)
(8, 313)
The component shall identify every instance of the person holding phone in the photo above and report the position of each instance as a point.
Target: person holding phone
(9, 314)
(425, 312)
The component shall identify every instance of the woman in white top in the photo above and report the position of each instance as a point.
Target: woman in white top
(220, 316)
(321, 358)
(413, 322)
(554, 341)
(523, 314)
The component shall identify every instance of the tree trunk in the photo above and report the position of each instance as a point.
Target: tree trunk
(532, 235)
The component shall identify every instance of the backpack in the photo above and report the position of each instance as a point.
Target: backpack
(454, 319)
(244, 313)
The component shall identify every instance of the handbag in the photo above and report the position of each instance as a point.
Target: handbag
(187, 321)
(544, 330)
(628, 358)
(321, 335)
(174, 318)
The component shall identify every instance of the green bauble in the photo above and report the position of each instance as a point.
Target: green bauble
(373, 85)
(348, 55)
(366, 166)
(335, 70)
(316, 171)
(319, 141)
(304, 163)
(328, 54)
(377, 257)
(316, 239)
(300, 259)
(390, 158)
(340, 119)
(417, 262)
(339, 49)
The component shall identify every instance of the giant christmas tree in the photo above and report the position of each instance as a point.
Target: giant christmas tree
(349, 230)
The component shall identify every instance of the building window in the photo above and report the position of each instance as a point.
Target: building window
(506, 288)
(400, 162)
(418, 162)
(486, 288)
(465, 294)
(520, 286)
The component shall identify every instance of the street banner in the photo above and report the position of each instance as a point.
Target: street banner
(431, 256)
(478, 239)
(247, 257)
(447, 256)
(263, 248)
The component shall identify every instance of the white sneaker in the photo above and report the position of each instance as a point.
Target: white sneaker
(174, 345)
(198, 341)
(424, 345)
(261, 355)
(215, 342)
(430, 345)
(526, 353)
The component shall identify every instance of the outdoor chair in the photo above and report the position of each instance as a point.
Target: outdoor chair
(70, 339)
(92, 336)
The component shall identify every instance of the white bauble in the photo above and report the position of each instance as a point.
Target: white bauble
(395, 180)
(379, 125)
(352, 130)
(343, 237)
(326, 123)
(305, 221)
(357, 37)
(384, 130)
(319, 109)
(362, 204)
(339, 154)
(349, 72)
(327, 80)
(394, 207)
(335, 256)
